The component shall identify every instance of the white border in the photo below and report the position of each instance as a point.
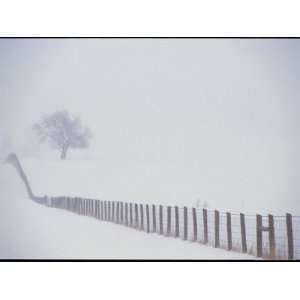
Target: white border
(149, 18)
(148, 281)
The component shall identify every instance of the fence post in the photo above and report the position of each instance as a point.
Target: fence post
(289, 231)
(108, 212)
(259, 235)
(147, 218)
(105, 210)
(161, 222)
(95, 208)
(154, 217)
(243, 233)
(217, 229)
(79, 206)
(176, 221)
(136, 216)
(142, 217)
(121, 213)
(229, 231)
(118, 213)
(271, 236)
(126, 214)
(131, 214)
(113, 211)
(195, 224)
(205, 228)
(98, 208)
(168, 221)
(185, 223)
(102, 210)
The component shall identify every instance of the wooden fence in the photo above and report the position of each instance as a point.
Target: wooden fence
(269, 237)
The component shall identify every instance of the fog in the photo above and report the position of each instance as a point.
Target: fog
(221, 114)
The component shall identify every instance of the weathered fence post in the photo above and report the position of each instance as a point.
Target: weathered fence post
(168, 233)
(108, 212)
(259, 229)
(229, 231)
(105, 210)
(142, 217)
(154, 217)
(161, 222)
(289, 231)
(185, 223)
(217, 229)
(271, 236)
(205, 228)
(243, 233)
(131, 214)
(126, 214)
(259, 236)
(113, 211)
(195, 224)
(176, 221)
(136, 216)
(147, 218)
(122, 213)
(118, 213)
(98, 209)
(102, 209)
(79, 206)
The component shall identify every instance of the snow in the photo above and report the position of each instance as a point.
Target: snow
(34, 231)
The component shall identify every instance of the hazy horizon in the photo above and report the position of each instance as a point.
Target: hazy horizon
(225, 110)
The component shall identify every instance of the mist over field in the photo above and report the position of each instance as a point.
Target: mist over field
(174, 121)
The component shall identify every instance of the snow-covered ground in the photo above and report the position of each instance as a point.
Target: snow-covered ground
(29, 230)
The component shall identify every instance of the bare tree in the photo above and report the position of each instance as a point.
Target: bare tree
(62, 132)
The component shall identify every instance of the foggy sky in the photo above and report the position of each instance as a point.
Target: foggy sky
(228, 108)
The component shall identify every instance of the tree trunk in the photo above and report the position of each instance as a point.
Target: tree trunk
(63, 154)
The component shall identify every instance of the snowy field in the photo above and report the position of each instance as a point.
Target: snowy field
(34, 231)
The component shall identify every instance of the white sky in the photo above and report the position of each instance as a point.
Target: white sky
(224, 109)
